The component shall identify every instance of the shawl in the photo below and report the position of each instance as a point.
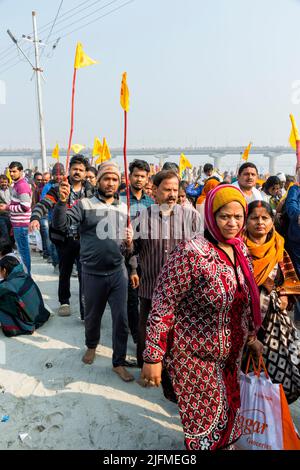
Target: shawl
(266, 256)
(209, 185)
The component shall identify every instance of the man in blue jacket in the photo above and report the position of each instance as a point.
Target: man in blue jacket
(292, 207)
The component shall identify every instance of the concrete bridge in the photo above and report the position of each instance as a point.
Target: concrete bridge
(217, 153)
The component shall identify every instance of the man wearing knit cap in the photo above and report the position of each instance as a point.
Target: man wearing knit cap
(101, 221)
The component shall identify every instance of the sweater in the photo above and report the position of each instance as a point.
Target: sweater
(20, 205)
(101, 227)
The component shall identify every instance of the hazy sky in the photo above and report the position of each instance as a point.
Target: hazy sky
(200, 72)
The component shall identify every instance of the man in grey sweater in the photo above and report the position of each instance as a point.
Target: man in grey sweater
(101, 221)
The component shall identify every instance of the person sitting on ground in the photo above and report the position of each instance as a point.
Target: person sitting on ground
(22, 309)
(7, 248)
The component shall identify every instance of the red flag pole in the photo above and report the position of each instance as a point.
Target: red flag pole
(125, 168)
(72, 122)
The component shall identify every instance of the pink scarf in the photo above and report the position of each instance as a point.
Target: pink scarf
(237, 244)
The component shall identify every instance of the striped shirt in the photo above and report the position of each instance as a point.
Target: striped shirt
(20, 204)
(136, 205)
(156, 236)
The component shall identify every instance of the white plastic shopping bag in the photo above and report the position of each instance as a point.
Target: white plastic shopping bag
(264, 416)
(38, 238)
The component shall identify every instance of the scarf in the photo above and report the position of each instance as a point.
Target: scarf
(266, 256)
(209, 185)
(228, 193)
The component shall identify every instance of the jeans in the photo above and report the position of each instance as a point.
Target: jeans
(68, 253)
(21, 238)
(45, 236)
(53, 254)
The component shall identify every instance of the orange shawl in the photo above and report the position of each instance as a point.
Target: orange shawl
(266, 256)
(209, 185)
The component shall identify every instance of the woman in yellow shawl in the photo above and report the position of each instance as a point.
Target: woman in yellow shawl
(278, 284)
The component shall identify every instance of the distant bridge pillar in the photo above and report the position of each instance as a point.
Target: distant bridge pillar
(217, 160)
(272, 163)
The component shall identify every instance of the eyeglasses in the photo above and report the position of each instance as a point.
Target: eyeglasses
(90, 177)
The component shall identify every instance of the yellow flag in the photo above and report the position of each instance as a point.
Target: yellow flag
(246, 152)
(77, 148)
(55, 153)
(124, 98)
(105, 155)
(294, 136)
(81, 59)
(97, 147)
(183, 164)
(8, 176)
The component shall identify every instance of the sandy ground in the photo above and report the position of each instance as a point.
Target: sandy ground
(70, 405)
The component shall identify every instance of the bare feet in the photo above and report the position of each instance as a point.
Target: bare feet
(123, 373)
(89, 356)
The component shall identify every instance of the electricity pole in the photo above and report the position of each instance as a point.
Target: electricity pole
(38, 72)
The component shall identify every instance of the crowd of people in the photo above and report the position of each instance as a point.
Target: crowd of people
(194, 272)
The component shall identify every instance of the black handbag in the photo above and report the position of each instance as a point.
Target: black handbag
(281, 353)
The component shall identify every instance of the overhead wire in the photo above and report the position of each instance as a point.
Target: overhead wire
(52, 27)
(97, 19)
(7, 51)
(80, 27)
(62, 20)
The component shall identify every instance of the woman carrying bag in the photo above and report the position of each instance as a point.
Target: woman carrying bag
(205, 308)
(278, 285)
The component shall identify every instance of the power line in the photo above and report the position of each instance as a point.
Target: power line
(55, 19)
(87, 16)
(97, 19)
(64, 14)
(80, 27)
(9, 50)
(74, 14)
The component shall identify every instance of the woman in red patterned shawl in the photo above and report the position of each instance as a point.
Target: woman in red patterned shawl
(205, 308)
